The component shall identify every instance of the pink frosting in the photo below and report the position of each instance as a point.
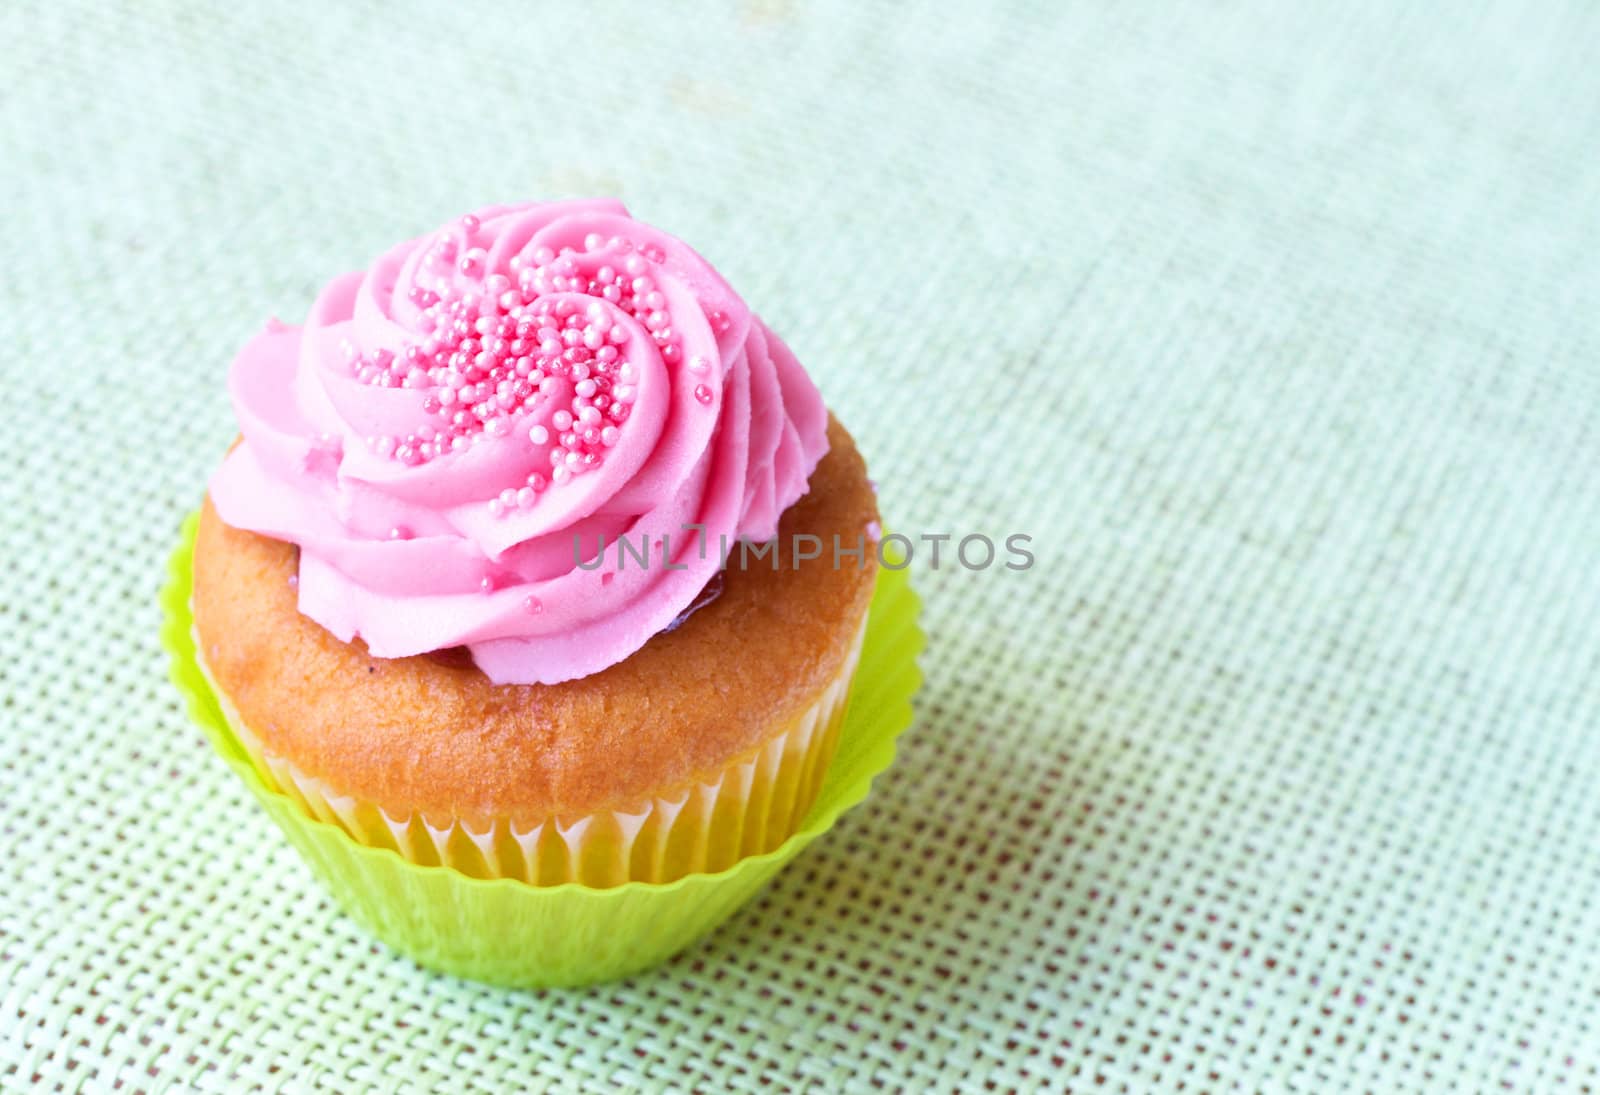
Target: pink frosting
(423, 526)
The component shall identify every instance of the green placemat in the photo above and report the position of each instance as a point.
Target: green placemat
(1273, 325)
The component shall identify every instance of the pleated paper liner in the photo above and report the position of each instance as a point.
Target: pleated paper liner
(508, 931)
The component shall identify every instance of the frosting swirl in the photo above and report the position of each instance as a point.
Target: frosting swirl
(460, 435)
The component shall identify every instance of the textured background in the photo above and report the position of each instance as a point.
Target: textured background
(1276, 331)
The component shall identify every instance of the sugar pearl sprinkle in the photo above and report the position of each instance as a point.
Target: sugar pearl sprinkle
(490, 349)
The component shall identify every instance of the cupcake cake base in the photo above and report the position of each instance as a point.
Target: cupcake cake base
(508, 932)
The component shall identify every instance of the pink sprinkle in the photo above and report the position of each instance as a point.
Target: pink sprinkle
(484, 353)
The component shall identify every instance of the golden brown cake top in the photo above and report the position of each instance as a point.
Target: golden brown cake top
(431, 733)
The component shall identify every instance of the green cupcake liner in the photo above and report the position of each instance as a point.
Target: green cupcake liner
(508, 932)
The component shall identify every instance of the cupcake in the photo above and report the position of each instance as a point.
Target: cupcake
(539, 559)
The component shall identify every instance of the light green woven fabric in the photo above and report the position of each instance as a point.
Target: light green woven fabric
(1277, 331)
